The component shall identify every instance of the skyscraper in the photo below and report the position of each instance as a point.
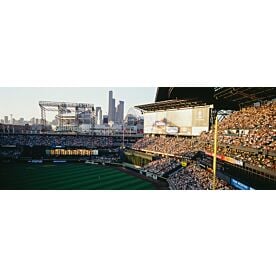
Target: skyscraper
(113, 110)
(120, 112)
(111, 107)
(115, 114)
(6, 119)
(99, 115)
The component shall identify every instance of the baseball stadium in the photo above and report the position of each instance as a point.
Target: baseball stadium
(219, 138)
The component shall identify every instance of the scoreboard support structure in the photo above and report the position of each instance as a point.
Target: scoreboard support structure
(74, 113)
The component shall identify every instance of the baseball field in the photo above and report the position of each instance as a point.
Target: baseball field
(69, 176)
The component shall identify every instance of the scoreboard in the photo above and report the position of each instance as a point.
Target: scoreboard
(72, 152)
(186, 122)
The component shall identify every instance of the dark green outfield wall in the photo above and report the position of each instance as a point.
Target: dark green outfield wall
(137, 158)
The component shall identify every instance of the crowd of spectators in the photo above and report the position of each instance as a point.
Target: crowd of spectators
(57, 140)
(256, 159)
(162, 167)
(252, 127)
(248, 135)
(252, 117)
(195, 178)
(178, 146)
(10, 153)
(105, 159)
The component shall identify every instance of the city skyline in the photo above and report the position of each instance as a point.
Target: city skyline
(23, 102)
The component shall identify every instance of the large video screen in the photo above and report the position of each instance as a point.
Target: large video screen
(186, 122)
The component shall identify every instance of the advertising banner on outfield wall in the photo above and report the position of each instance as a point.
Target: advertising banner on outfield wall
(227, 159)
(241, 186)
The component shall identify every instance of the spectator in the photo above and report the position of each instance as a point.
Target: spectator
(195, 178)
(162, 167)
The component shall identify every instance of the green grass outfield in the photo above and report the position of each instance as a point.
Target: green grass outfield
(73, 176)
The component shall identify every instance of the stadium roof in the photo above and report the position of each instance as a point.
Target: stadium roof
(170, 104)
(222, 97)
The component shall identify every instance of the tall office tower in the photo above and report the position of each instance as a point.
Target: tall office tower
(120, 113)
(121, 109)
(116, 116)
(99, 115)
(113, 110)
(111, 107)
(6, 119)
(96, 115)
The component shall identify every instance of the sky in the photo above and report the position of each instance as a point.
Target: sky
(23, 102)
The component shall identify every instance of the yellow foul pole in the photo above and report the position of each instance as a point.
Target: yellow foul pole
(215, 153)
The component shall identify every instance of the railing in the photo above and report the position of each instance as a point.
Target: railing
(270, 174)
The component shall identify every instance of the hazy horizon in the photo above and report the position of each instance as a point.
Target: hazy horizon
(23, 101)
